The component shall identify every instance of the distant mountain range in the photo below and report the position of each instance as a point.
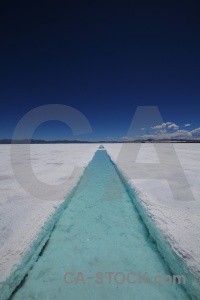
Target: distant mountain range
(33, 141)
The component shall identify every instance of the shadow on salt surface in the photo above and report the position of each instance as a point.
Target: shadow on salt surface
(97, 234)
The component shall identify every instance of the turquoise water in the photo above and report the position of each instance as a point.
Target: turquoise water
(99, 232)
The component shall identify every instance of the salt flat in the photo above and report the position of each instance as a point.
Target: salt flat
(96, 235)
(177, 221)
(22, 215)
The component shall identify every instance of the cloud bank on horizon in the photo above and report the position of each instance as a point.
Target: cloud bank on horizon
(167, 130)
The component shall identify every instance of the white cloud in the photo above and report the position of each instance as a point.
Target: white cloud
(162, 131)
(179, 134)
(196, 132)
(173, 126)
(164, 134)
(163, 125)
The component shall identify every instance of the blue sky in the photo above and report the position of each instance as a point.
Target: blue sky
(104, 59)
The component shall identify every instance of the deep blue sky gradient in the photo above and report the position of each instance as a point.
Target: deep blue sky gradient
(104, 58)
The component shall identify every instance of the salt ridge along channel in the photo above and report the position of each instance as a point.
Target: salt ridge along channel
(98, 233)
